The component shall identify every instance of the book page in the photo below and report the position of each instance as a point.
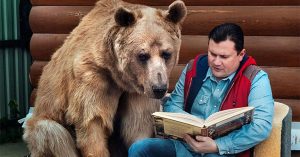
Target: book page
(181, 117)
(221, 114)
(225, 114)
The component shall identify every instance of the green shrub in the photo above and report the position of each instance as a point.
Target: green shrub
(10, 129)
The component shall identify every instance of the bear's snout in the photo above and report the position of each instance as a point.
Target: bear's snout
(159, 90)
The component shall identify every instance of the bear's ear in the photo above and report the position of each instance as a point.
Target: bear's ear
(177, 12)
(124, 17)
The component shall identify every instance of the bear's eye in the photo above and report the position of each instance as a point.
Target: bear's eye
(143, 57)
(166, 55)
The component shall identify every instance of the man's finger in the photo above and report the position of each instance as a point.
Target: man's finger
(187, 138)
(192, 142)
(200, 138)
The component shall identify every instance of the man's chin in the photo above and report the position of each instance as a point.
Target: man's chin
(219, 76)
(217, 73)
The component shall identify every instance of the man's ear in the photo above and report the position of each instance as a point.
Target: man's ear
(177, 12)
(124, 17)
(242, 54)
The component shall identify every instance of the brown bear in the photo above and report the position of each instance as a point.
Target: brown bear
(120, 55)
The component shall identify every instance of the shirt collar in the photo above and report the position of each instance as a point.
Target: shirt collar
(213, 78)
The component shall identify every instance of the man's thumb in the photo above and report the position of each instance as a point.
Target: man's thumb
(200, 138)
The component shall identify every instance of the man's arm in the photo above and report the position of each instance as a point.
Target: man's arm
(176, 100)
(259, 129)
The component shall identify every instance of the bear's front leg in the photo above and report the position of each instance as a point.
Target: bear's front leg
(92, 139)
(92, 109)
(136, 119)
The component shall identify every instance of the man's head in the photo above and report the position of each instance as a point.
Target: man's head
(225, 49)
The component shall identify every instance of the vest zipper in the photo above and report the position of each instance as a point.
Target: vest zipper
(188, 92)
(226, 96)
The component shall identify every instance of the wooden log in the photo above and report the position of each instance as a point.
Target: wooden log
(255, 21)
(42, 46)
(267, 50)
(63, 2)
(32, 97)
(294, 104)
(36, 70)
(167, 2)
(54, 19)
(284, 80)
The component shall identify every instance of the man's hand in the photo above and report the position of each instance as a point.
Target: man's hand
(201, 144)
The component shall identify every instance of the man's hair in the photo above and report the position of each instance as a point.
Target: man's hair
(230, 31)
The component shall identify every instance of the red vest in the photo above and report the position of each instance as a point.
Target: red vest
(238, 91)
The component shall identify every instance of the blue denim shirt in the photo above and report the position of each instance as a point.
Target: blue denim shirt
(208, 101)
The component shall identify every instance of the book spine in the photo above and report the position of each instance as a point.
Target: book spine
(222, 129)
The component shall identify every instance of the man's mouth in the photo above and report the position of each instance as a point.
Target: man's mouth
(217, 69)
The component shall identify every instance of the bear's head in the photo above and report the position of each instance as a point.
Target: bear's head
(146, 44)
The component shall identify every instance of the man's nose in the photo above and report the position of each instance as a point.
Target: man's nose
(217, 61)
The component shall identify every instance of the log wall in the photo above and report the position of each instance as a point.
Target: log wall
(272, 30)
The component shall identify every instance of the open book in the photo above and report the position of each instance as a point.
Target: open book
(175, 125)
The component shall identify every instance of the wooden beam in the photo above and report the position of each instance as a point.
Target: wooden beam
(267, 50)
(284, 80)
(294, 104)
(32, 97)
(255, 21)
(36, 70)
(167, 2)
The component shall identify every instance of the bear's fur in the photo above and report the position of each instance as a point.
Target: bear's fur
(120, 55)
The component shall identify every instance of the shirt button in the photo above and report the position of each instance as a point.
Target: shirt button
(228, 152)
(218, 89)
(215, 106)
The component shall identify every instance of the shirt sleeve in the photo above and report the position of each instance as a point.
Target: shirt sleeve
(176, 100)
(259, 129)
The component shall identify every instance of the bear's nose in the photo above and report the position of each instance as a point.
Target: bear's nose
(159, 90)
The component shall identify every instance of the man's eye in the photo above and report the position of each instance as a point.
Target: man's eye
(224, 57)
(166, 55)
(143, 57)
(213, 54)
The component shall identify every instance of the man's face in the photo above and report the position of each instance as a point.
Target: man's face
(223, 58)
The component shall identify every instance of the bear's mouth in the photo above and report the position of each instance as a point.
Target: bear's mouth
(141, 88)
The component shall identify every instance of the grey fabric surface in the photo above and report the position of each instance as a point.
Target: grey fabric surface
(286, 135)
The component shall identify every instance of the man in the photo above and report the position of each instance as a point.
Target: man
(224, 78)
